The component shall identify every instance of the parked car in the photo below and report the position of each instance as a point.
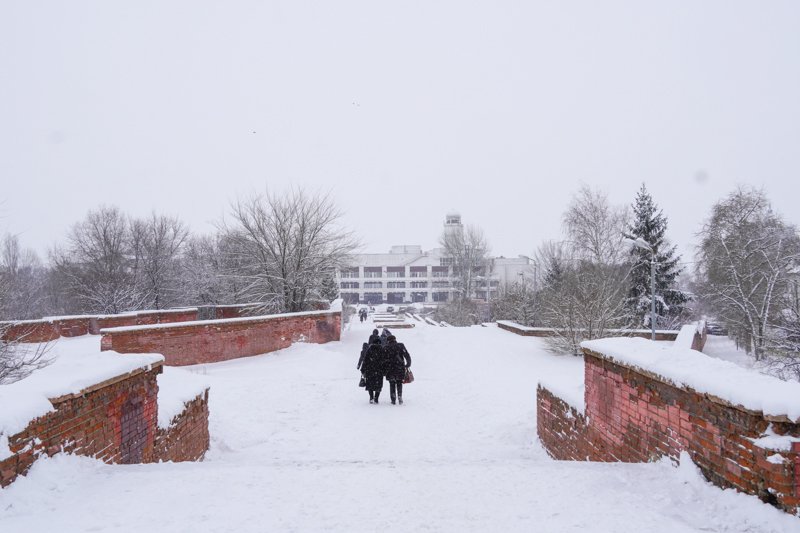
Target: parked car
(390, 309)
(716, 329)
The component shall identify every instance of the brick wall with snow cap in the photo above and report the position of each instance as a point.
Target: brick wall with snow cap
(209, 341)
(103, 405)
(644, 401)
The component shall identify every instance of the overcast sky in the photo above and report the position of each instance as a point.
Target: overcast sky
(402, 110)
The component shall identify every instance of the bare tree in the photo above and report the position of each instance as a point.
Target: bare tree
(23, 279)
(97, 265)
(585, 276)
(18, 360)
(285, 246)
(744, 261)
(156, 244)
(519, 302)
(468, 251)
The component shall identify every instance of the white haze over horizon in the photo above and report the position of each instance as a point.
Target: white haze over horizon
(402, 111)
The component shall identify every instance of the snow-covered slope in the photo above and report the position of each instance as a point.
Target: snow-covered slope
(297, 447)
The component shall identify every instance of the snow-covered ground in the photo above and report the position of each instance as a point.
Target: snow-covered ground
(297, 447)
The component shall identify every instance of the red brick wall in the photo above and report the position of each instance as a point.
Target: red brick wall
(29, 331)
(114, 422)
(199, 342)
(562, 430)
(187, 438)
(636, 417)
(234, 311)
(53, 328)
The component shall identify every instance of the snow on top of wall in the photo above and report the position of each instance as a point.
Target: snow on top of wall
(216, 322)
(336, 305)
(693, 369)
(520, 327)
(570, 390)
(686, 336)
(76, 365)
(176, 387)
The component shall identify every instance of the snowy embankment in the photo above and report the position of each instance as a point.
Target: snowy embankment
(75, 365)
(297, 447)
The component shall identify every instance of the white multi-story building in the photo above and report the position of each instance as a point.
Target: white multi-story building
(407, 274)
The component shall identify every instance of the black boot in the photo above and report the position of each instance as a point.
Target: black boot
(400, 399)
(371, 397)
(377, 393)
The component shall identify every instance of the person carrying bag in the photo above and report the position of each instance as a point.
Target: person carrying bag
(398, 361)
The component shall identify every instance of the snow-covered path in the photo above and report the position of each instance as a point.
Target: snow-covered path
(297, 447)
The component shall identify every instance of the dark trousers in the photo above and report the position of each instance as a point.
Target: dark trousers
(395, 389)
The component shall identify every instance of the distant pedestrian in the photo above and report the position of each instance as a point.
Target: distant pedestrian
(398, 360)
(373, 367)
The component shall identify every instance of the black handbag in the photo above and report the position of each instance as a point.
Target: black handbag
(363, 381)
(409, 377)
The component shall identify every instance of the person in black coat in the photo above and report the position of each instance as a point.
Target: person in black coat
(374, 367)
(374, 336)
(385, 336)
(397, 361)
(364, 348)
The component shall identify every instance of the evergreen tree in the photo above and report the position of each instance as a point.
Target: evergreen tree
(650, 224)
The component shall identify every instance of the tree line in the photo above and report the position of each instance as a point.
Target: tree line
(594, 278)
(279, 249)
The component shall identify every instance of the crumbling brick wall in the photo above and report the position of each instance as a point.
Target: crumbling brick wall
(187, 437)
(114, 421)
(634, 416)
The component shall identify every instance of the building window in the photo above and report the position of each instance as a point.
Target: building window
(419, 284)
(349, 284)
(446, 261)
(373, 272)
(440, 272)
(350, 272)
(395, 297)
(373, 284)
(395, 284)
(419, 272)
(440, 284)
(419, 297)
(439, 296)
(395, 272)
(373, 298)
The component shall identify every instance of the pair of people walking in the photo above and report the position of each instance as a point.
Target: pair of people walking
(383, 357)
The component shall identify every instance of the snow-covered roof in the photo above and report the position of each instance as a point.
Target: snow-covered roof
(688, 368)
(77, 364)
